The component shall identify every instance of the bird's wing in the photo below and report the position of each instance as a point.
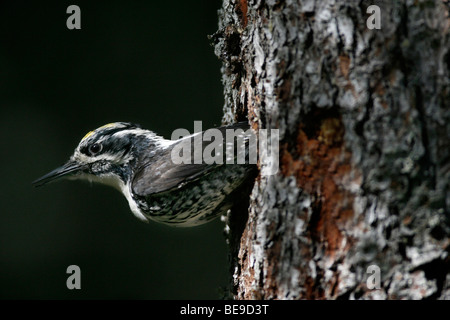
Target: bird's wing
(160, 174)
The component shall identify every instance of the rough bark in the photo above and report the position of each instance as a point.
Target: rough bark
(364, 124)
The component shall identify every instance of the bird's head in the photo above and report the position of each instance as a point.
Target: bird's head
(104, 154)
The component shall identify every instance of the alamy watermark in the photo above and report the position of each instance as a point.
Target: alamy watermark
(74, 280)
(74, 20)
(374, 278)
(374, 21)
(227, 146)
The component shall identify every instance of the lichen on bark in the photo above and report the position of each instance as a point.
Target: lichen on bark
(364, 128)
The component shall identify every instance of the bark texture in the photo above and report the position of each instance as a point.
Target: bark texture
(364, 124)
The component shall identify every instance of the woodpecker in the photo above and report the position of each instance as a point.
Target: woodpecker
(139, 163)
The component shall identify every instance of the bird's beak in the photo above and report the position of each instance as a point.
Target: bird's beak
(70, 167)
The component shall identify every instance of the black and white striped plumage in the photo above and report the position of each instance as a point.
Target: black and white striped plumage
(138, 163)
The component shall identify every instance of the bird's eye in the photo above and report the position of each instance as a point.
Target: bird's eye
(95, 148)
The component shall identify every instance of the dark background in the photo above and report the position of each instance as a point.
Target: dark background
(139, 61)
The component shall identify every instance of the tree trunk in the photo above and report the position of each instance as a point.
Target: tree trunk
(362, 191)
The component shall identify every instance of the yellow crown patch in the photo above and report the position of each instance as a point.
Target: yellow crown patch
(90, 133)
(112, 124)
